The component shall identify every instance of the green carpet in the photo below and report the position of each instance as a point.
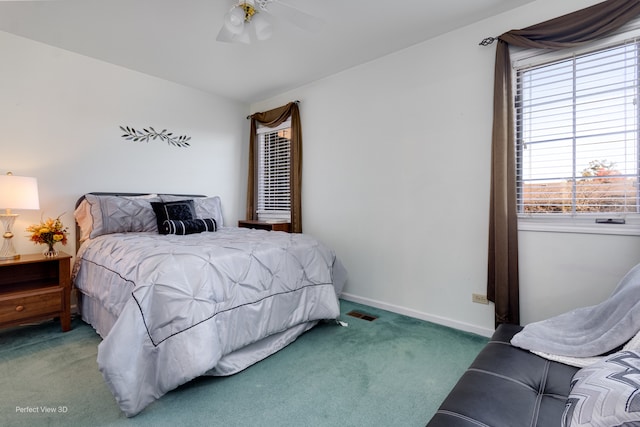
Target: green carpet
(393, 371)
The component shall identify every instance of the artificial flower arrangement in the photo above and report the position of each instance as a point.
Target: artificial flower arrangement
(49, 232)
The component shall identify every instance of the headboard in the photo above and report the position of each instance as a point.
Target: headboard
(101, 193)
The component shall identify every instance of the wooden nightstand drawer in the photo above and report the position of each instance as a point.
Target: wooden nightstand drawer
(47, 301)
(35, 288)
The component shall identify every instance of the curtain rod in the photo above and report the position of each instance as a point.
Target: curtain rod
(296, 101)
(487, 41)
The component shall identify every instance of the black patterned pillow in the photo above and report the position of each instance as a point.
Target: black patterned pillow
(206, 207)
(179, 210)
(606, 393)
(188, 226)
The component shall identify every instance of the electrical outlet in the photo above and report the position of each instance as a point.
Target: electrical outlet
(479, 298)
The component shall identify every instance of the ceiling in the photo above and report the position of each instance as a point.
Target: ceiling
(176, 39)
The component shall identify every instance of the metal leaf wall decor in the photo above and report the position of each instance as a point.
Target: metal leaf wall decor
(150, 133)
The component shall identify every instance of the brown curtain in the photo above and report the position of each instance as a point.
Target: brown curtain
(564, 32)
(273, 118)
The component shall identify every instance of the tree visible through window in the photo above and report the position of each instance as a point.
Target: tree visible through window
(577, 134)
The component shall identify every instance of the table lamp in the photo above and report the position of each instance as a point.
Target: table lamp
(16, 192)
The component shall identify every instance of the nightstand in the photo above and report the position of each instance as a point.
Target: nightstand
(265, 225)
(34, 288)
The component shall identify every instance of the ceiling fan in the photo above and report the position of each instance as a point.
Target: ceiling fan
(250, 20)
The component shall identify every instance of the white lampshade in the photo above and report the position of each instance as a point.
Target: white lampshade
(18, 192)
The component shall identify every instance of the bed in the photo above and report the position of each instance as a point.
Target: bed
(176, 295)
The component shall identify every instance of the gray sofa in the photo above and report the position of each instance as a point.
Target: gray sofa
(506, 386)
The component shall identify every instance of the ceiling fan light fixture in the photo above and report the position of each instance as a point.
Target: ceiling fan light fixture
(262, 27)
(249, 10)
(244, 37)
(234, 20)
(246, 22)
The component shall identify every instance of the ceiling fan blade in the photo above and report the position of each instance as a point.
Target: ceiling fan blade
(295, 16)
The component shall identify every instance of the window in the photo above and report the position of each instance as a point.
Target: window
(274, 172)
(577, 135)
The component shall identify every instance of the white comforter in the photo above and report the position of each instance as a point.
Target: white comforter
(209, 303)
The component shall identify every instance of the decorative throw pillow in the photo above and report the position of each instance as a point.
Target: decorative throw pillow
(206, 207)
(179, 210)
(606, 393)
(188, 226)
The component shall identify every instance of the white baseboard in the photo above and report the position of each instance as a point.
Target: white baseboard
(485, 332)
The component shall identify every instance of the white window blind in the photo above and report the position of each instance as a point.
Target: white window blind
(577, 134)
(274, 171)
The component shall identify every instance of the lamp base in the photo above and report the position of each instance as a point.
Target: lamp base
(7, 251)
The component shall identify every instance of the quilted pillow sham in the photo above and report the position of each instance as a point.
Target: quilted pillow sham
(205, 207)
(82, 215)
(188, 226)
(115, 214)
(606, 393)
(182, 210)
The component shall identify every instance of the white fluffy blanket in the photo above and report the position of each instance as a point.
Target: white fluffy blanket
(589, 331)
(582, 362)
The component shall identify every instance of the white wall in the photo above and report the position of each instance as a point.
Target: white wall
(396, 179)
(385, 144)
(59, 121)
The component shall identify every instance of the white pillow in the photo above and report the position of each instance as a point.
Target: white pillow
(142, 196)
(115, 214)
(83, 217)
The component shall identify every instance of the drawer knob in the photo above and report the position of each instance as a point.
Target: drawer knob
(20, 308)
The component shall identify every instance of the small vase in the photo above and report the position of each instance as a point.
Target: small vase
(50, 252)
